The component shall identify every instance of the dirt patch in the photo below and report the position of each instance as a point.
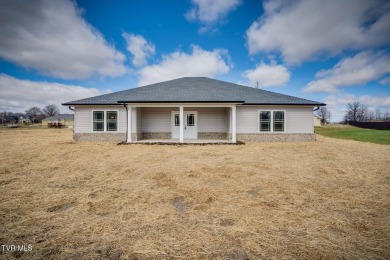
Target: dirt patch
(5, 182)
(254, 191)
(226, 222)
(63, 207)
(180, 204)
(4, 170)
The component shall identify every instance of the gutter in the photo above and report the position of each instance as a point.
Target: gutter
(170, 102)
(178, 102)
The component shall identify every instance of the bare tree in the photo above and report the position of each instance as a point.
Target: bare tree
(352, 111)
(370, 115)
(51, 110)
(386, 115)
(362, 114)
(356, 112)
(34, 113)
(378, 114)
(324, 115)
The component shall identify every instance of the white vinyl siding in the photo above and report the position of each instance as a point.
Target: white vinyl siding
(298, 119)
(212, 119)
(134, 119)
(139, 120)
(156, 119)
(84, 118)
(209, 119)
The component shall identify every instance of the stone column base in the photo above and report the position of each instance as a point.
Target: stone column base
(156, 135)
(213, 135)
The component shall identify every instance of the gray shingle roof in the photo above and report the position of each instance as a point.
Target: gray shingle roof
(194, 90)
(67, 117)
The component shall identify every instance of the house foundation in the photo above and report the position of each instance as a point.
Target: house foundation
(99, 137)
(268, 138)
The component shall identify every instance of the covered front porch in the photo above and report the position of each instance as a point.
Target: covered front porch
(178, 123)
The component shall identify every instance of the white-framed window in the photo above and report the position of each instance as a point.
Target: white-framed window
(278, 121)
(177, 120)
(272, 121)
(98, 121)
(190, 119)
(105, 121)
(112, 121)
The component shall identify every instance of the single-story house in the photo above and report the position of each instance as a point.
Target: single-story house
(24, 119)
(194, 108)
(66, 120)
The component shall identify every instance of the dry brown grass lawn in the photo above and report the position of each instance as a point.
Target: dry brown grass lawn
(329, 199)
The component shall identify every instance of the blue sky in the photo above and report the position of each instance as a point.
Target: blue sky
(330, 51)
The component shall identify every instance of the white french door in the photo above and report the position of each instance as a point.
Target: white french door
(190, 124)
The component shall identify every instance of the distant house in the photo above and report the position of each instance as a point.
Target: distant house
(24, 119)
(66, 120)
(317, 120)
(11, 120)
(194, 109)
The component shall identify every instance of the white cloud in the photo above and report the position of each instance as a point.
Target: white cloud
(18, 95)
(370, 101)
(385, 81)
(303, 29)
(199, 63)
(357, 70)
(140, 48)
(337, 103)
(209, 12)
(53, 38)
(268, 75)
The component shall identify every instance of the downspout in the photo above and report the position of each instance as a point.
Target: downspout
(127, 118)
(314, 111)
(74, 119)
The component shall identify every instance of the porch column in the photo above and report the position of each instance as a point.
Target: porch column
(233, 122)
(129, 123)
(181, 119)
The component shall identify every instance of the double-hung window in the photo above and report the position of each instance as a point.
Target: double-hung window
(265, 121)
(105, 121)
(271, 121)
(112, 121)
(98, 120)
(278, 121)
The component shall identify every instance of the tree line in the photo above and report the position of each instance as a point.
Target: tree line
(36, 114)
(356, 112)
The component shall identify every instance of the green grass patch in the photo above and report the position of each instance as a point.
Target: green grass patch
(355, 133)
